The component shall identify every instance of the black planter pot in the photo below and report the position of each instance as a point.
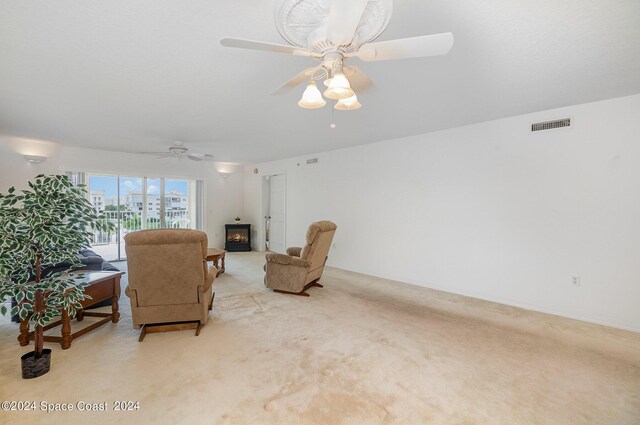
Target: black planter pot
(32, 367)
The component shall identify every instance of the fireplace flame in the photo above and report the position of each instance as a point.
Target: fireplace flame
(237, 237)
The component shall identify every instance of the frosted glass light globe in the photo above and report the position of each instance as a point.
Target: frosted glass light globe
(339, 87)
(348, 104)
(312, 98)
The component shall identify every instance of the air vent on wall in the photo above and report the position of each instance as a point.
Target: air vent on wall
(548, 125)
(312, 161)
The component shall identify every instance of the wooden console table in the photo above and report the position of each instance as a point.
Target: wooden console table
(102, 286)
(215, 255)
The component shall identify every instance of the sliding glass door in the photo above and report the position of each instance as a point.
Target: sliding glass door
(177, 204)
(103, 195)
(129, 204)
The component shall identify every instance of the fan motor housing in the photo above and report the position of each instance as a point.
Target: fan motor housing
(177, 150)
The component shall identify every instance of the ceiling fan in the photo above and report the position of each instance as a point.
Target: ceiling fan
(332, 32)
(179, 150)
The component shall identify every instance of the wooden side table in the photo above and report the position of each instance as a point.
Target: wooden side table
(216, 255)
(102, 286)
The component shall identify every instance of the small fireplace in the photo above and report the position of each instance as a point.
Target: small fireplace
(238, 237)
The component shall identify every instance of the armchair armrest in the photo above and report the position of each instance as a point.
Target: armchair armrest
(294, 251)
(208, 279)
(286, 260)
(131, 293)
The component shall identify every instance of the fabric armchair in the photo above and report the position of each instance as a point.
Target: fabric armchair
(169, 278)
(302, 267)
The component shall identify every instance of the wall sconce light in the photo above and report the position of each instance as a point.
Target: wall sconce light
(225, 169)
(34, 159)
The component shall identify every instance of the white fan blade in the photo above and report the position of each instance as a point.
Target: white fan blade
(358, 79)
(158, 154)
(261, 45)
(344, 18)
(200, 156)
(404, 48)
(300, 78)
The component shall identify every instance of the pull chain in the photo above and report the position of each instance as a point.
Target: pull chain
(333, 123)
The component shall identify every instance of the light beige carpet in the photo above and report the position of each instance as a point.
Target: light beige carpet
(362, 350)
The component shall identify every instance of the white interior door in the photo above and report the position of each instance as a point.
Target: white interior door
(276, 214)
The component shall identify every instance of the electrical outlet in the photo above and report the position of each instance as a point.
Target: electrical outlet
(575, 280)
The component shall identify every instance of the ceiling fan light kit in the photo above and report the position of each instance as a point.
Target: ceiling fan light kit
(332, 32)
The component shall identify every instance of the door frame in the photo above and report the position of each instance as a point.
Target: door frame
(264, 179)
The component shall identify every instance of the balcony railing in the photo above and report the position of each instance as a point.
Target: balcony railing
(131, 221)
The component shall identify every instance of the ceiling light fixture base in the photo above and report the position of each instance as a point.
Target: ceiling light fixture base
(35, 159)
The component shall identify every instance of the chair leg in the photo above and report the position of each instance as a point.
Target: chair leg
(301, 293)
(143, 333)
(211, 302)
(168, 327)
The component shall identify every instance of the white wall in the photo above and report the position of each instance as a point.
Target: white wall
(223, 197)
(489, 210)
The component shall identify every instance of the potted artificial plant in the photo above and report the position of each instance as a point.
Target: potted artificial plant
(45, 225)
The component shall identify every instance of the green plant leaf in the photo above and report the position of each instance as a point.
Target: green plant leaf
(20, 297)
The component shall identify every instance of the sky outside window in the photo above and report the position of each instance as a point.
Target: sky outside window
(131, 184)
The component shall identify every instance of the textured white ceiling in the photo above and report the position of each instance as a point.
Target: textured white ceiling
(136, 75)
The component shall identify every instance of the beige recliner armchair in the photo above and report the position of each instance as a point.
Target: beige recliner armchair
(169, 279)
(302, 267)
